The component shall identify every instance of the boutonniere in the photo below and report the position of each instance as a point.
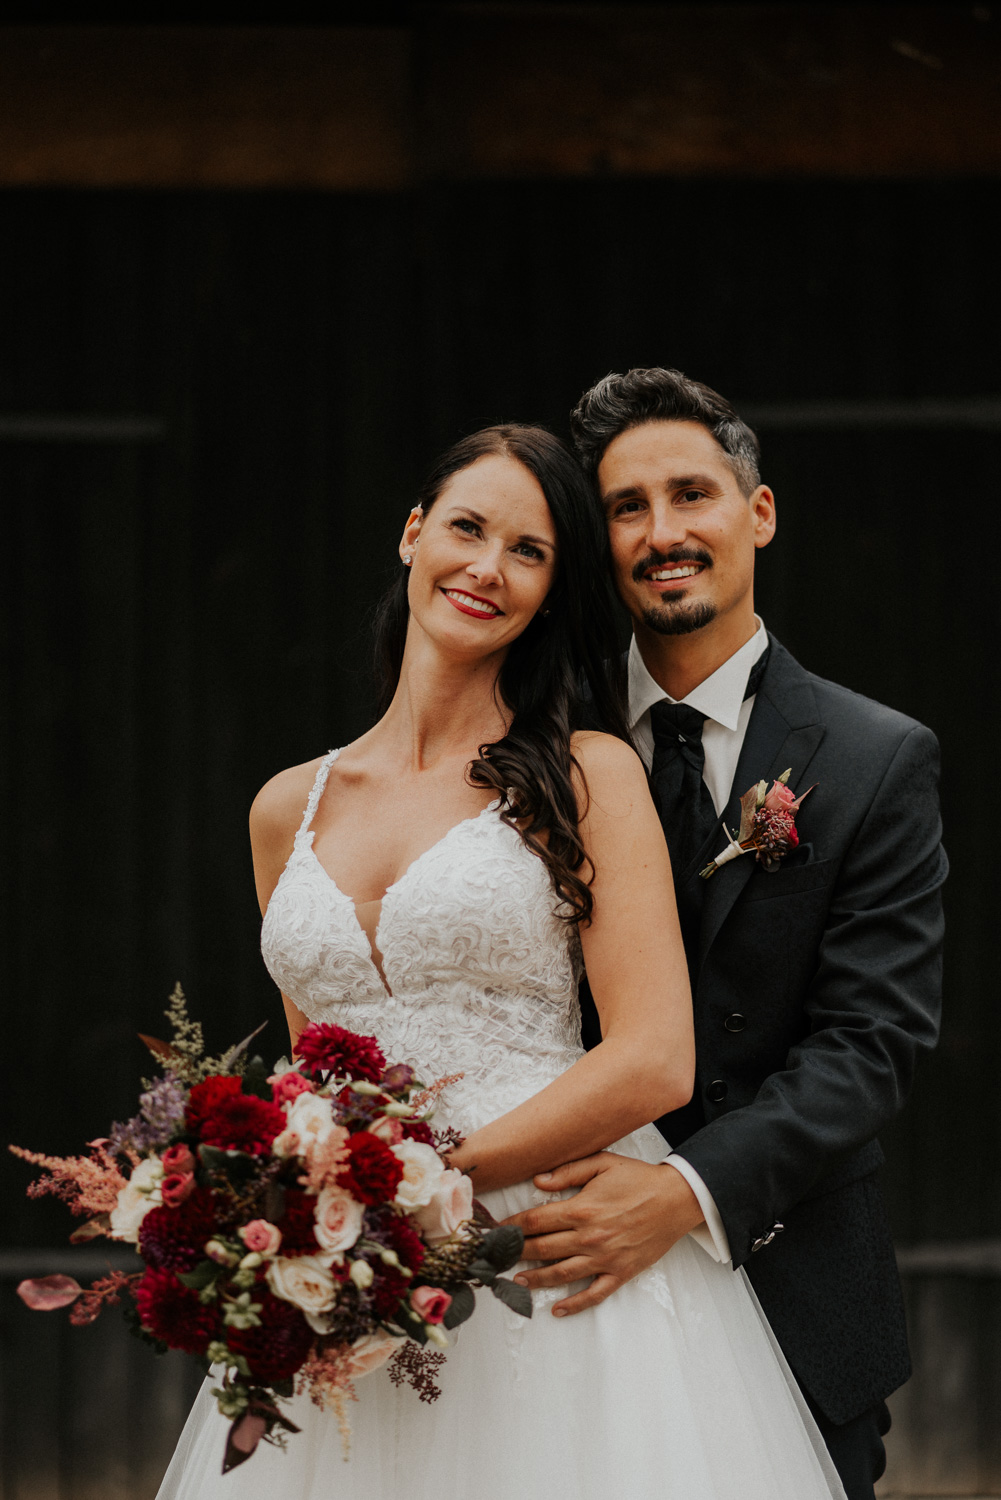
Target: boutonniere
(767, 825)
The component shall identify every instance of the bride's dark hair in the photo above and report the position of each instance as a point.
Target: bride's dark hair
(560, 662)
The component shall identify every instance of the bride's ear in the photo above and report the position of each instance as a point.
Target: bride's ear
(411, 532)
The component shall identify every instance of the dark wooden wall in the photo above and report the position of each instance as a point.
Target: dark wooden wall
(216, 401)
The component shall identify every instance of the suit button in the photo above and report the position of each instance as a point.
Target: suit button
(716, 1092)
(736, 1022)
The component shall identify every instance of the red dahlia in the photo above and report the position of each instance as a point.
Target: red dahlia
(396, 1233)
(173, 1239)
(241, 1122)
(372, 1173)
(173, 1313)
(297, 1224)
(206, 1097)
(387, 1291)
(325, 1048)
(276, 1349)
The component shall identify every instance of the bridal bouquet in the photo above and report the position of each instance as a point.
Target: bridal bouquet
(298, 1229)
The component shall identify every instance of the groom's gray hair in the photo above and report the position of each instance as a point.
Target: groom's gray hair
(622, 401)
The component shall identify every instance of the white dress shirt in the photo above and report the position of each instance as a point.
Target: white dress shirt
(721, 698)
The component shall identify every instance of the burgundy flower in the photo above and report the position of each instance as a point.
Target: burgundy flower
(277, 1348)
(416, 1130)
(387, 1291)
(372, 1173)
(326, 1048)
(206, 1097)
(173, 1313)
(173, 1239)
(242, 1122)
(297, 1224)
(396, 1232)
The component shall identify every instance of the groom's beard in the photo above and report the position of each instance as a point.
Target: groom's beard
(676, 616)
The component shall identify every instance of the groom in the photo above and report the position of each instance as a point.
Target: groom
(816, 985)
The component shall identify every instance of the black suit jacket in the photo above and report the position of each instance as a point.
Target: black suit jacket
(815, 989)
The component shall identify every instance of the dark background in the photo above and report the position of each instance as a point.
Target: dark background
(188, 611)
(254, 279)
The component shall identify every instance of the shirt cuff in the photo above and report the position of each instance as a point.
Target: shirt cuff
(711, 1235)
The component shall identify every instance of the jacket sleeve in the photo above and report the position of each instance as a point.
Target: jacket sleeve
(873, 1007)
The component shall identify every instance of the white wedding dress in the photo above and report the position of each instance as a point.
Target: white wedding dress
(671, 1389)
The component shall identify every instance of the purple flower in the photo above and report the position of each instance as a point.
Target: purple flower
(161, 1111)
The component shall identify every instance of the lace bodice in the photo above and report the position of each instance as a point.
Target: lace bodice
(481, 973)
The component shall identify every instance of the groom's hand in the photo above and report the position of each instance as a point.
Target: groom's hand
(627, 1215)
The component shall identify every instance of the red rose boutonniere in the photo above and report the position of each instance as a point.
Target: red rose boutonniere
(767, 825)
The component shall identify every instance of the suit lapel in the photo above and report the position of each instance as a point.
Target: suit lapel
(783, 731)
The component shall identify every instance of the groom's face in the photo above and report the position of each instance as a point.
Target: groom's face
(682, 531)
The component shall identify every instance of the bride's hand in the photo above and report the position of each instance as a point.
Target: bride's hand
(628, 1214)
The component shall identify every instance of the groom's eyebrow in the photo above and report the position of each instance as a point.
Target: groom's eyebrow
(683, 482)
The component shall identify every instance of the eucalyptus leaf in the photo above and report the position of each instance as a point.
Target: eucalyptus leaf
(463, 1303)
(503, 1246)
(203, 1273)
(517, 1298)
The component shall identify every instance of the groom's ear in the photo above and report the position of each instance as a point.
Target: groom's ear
(762, 503)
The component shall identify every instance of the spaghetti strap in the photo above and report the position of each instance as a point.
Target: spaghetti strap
(323, 771)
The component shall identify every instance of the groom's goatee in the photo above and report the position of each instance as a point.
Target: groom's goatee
(680, 619)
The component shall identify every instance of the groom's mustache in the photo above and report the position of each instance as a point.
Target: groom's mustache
(672, 559)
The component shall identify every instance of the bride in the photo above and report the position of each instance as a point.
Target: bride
(438, 884)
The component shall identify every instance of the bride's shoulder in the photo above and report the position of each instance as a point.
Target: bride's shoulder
(604, 755)
(611, 770)
(279, 805)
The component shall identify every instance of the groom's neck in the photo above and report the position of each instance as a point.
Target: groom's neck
(680, 662)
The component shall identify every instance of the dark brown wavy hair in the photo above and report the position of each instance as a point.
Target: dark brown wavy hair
(564, 672)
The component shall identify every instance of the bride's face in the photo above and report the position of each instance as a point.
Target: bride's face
(483, 558)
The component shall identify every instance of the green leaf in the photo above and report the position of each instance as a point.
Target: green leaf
(255, 1079)
(284, 1388)
(463, 1303)
(503, 1246)
(481, 1270)
(274, 1201)
(517, 1298)
(203, 1273)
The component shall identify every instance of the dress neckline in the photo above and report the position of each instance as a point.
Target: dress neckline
(307, 832)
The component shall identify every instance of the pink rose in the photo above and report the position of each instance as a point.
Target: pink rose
(451, 1205)
(779, 798)
(177, 1159)
(288, 1086)
(175, 1188)
(261, 1236)
(390, 1131)
(430, 1302)
(338, 1219)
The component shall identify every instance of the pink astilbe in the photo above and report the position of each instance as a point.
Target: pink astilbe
(107, 1292)
(88, 1184)
(324, 1160)
(432, 1094)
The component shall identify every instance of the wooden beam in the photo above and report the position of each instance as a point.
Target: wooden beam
(507, 91)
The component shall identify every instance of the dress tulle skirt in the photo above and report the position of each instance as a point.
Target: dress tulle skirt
(672, 1389)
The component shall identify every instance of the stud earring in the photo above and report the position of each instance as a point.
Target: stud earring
(407, 559)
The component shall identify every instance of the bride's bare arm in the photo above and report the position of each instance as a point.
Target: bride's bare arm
(645, 1064)
(274, 818)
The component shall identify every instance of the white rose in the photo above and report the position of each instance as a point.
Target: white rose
(304, 1281)
(136, 1198)
(368, 1353)
(310, 1121)
(451, 1205)
(422, 1172)
(338, 1219)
